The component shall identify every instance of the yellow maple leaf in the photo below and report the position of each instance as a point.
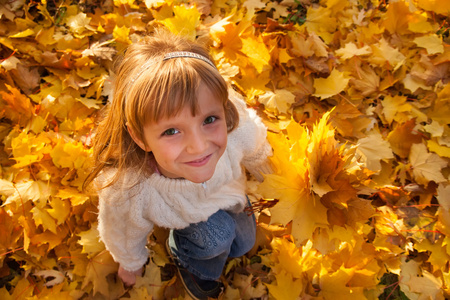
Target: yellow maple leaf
(426, 166)
(288, 258)
(306, 46)
(126, 2)
(76, 198)
(397, 17)
(277, 102)
(42, 217)
(60, 210)
(78, 23)
(330, 86)
(333, 285)
(441, 109)
(48, 237)
(351, 50)
(437, 6)
(154, 3)
(70, 155)
(121, 34)
(383, 53)
(290, 184)
(184, 21)
(388, 222)
(97, 270)
(247, 286)
(25, 191)
(257, 53)
(402, 137)
(320, 21)
(423, 287)
(418, 23)
(90, 241)
(286, 287)
(396, 108)
(437, 250)
(435, 129)
(440, 150)
(151, 281)
(28, 148)
(431, 42)
(373, 149)
(19, 107)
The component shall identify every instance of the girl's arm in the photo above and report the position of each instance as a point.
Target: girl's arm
(124, 231)
(129, 278)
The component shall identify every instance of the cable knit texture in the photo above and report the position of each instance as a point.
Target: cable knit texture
(127, 214)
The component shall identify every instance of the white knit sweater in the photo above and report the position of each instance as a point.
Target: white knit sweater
(127, 215)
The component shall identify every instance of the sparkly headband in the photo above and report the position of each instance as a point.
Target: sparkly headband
(171, 55)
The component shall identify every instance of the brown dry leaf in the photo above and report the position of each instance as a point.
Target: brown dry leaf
(402, 137)
(426, 166)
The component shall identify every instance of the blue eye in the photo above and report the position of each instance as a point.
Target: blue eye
(170, 131)
(209, 120)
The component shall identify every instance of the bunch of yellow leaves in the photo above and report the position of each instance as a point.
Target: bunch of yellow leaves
(355, 95)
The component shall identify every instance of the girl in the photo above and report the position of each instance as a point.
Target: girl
(170, 152)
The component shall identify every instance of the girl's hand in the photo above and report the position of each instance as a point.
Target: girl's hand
(129, 278)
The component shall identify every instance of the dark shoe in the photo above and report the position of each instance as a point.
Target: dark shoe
(197, 288)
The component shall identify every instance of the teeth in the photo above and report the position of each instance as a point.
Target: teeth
(199, 160)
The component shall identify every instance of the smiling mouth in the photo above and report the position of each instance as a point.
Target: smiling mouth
(199, 162)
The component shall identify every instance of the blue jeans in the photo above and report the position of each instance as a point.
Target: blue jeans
(203, 248)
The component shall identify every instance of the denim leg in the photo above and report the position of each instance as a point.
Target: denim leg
(203, 248)
(245, 234)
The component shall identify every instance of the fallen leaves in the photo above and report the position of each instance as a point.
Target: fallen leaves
(356, 98)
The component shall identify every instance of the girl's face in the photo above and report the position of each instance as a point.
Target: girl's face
(187, 146)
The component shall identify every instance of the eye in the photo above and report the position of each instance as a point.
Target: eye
(170, 131)
(209, 120)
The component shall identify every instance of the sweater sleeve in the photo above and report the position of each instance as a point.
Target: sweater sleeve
(251, 136)
(122, 227)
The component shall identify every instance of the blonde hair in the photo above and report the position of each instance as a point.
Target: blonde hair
(148, 88)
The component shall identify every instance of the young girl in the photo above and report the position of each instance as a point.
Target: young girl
(170, 152)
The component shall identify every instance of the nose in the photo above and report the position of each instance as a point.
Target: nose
(197, 142)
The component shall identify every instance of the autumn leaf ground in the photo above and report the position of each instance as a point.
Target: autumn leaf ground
(355, 95)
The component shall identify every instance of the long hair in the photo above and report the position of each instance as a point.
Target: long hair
(147, 89)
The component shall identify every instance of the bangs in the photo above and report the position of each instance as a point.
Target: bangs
(169, 86)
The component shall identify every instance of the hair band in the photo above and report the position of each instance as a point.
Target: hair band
(176, 54)
(171, 55)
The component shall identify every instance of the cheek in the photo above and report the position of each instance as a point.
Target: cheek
(221, 137)
(164, 154)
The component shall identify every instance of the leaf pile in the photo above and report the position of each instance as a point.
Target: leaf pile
(356, 97)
